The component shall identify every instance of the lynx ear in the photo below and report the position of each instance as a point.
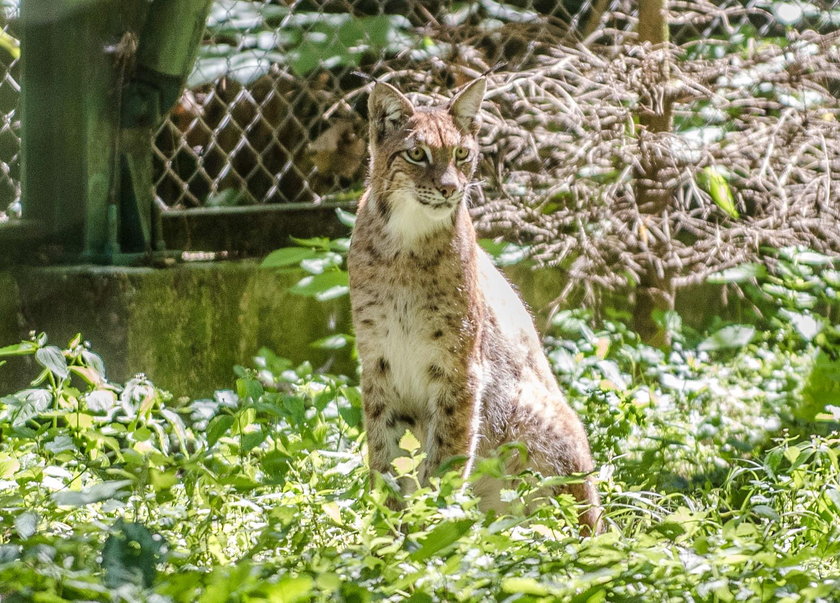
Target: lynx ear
(388, 110)
(466, 105)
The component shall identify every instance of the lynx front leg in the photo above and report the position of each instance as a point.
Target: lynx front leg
(386, 423)
(378, 400)
(453, 430)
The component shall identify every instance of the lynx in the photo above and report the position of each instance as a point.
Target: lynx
(448, 350)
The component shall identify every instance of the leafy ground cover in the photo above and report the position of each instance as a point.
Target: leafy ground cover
(719, 465)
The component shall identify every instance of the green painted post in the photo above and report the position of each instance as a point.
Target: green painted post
(167, 46)
(97, 76)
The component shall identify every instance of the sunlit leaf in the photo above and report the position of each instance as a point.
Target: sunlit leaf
(712, 180)
(26, 524)
(345, 217)
(287, 256)
(409, 442)
(290, 589)
(333, 342)
(323, 287)
(733, 336)
(92, 494)
(738, 274)
(525, 586)
(24, 348)
(8, 465)
(52, 358)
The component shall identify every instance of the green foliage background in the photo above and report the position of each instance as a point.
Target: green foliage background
(718, 461)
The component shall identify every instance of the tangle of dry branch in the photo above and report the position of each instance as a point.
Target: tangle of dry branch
(562, 145)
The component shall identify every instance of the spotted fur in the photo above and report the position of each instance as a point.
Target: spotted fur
(448, 350)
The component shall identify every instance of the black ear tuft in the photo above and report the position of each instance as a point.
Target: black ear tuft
(388, 110)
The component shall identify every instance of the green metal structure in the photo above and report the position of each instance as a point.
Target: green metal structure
(97, 77)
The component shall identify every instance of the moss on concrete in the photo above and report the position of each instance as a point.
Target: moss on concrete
(184, 327)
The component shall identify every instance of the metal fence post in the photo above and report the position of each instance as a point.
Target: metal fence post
(168, 44)
(90, 97)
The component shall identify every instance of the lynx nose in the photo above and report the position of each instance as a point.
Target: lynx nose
(447, 183)
(446, 190)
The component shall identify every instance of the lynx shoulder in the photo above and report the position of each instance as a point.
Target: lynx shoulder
(448, 350)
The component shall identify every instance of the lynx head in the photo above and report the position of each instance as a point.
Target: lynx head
(422, 158)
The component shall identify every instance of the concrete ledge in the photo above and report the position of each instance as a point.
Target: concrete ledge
(251, 230)
(185, 327)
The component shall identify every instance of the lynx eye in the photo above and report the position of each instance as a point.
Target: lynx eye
(461, 154)
(416, 155)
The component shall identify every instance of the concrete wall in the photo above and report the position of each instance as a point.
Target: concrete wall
(185, 327)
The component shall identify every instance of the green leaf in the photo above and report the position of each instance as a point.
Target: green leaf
(252, 439)
(10, 44)
(287, 256)
(323, 287)
(322, 262)
(526, 586)
(218, 427)
(319, 243)
(340, 40)
(833, 494)
(227, 197)
(766, 511)
(92, 494)
(248, 388)
(8, 465)
(276, 464)
(332, 342)
(94, 361)
(130, 555)
(733, 336)
(25, 405)
(53, 360)
(100, 400)
(405, 465)
(805, 324)
(409, 442)
(444, 535)
(60, 443)
(295, 407)
(290, 589)
(24, 348)
(341, 245)
(26, 524)
(712, 180)
(738, 274)
(504, 253)
(345, 217)
(812, 258)
(351, 415)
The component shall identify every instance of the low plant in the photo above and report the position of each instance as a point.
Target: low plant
(118, 491)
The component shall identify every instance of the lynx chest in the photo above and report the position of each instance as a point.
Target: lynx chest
(412, 318)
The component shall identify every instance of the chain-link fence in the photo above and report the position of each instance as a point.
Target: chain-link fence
(9, 118)
(274, 111)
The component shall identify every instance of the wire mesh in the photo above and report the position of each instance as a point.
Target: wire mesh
(9, 120)
(273, 112)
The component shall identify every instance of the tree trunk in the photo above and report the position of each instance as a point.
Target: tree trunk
(655, 290)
